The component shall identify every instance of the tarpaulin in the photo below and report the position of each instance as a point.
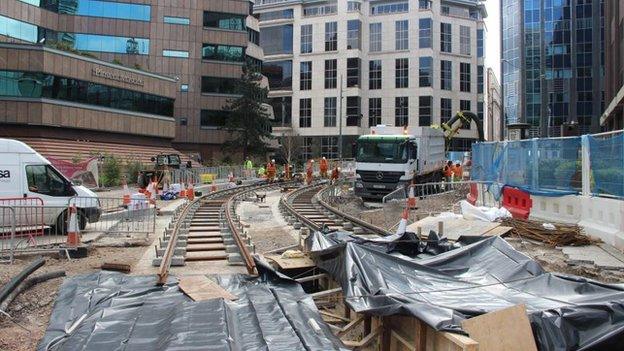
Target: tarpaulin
(113, 311)
(566, 312)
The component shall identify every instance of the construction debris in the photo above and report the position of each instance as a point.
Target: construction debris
(119, 267)
(562, 235)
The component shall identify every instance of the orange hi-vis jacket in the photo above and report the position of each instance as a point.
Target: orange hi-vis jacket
(324, 165)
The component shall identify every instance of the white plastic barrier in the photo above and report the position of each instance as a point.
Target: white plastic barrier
(562, 209)
(603, 218)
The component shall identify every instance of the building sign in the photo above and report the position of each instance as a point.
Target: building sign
(120, 77)
(86, 171)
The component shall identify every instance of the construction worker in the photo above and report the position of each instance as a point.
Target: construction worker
(261, 172)
(310, 172)
(448, 171)
(271, 170)
(335, 174)
(324, 167)
(458, 171)
(287, 171)
(248, 165)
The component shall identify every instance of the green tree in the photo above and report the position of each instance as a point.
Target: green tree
(248, 121)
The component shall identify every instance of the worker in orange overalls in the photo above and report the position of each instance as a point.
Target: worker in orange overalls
(324, 167)
(335, 174)
(448, 171)
(458, 172)
(271, 171)
(287, 171)
(310, 172)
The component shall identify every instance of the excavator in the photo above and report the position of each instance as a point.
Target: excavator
(461, 119)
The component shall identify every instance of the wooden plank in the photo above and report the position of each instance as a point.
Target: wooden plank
(201, 288)
(291, 263)
(501, 230)
(508, 329)
(453, 227)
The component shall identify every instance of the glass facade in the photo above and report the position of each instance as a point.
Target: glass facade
(277, 39)
(401, 73)
(225, 53)
(177, 20)
(21, 84)
(176, 53)
(282, 110)
(374, 111)
(382, 9)
(401, 110)
(354, 34)
(424, 110)
(464, 77)
(331, 74)
(106, 43)
(305, 113)
(219, 85)
(375, 37)
(446, 110)
(446, 75)
(96, 8)
(353, 111)
(331, 36)
(279, 74)
(329, 119)
(305, 75)
(229, 21)
(446, 39)
(274, 15)
(424, 32)
(353, 72)
(425, 72)
(401, 35)
(306, 38)
(374, 74)
(19, 30)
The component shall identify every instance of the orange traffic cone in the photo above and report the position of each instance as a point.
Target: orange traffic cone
(411, 200)
(73, 229)
(190, 192)
(126, 194)
(402, 227)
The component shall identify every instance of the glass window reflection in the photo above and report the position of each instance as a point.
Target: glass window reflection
(18, 29)
(223, 53)
(220, 20)
(98, 8)
(107, 43)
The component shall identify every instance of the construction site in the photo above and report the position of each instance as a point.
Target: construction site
(499, 256)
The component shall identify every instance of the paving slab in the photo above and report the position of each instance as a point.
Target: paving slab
(594, 254)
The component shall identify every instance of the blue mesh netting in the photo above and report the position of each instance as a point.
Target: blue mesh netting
(540, 166)
(606, 157)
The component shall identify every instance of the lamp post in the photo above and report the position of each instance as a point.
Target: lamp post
(340, 120)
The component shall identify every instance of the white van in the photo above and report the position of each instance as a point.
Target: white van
(24, 173)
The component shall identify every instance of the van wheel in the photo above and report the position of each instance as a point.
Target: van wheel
(62, 222)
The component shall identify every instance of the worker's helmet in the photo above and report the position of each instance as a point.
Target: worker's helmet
(338, 169)
(312, 161)
(273, 161)
(324, 158)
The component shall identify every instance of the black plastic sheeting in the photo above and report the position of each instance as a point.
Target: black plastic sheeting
(566, 312)
(113, 311)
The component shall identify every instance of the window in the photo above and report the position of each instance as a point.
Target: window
(177, 20)
(305, 75)
(446, 110)
(183, 121)
(42, 85)
(382, 9)
(401, 73)
(464, 105)
(374, 74)
(277, 39)
(401, 41)
(213, 119)
(464, 77)
(279, 74)
(319, 10)
(480, 43)
(219, 85)
(44, 179)
(330, 74)
(18, 29)
(282, 110)
(374, 111)
(305, 113)
(306, 148)
(480, 110)
(424, 4)
(445, 37)
(107, 43)
(331, 36)
(254, 36)
(424, 111)
(424, 33)
(353, 111)
(330, 112)
(354, 34)
(464, 40)
(375, 37)
(401, 108)
(306, 38)
(353, 6)
(273, 15)
(175, 53)
(225, 53)
(329, 147)
(97, 8)
(446, 74)
(184, 88)
(353, 72)
(221, 20)
(425, 72)
(479, 79)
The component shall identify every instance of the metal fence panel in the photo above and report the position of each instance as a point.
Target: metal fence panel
(110, 215)
(607, 164)
(7, 233)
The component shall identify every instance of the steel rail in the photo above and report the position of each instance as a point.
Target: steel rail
(165, 263)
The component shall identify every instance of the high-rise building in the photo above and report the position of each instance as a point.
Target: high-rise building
(356, 64)
(613, 116)
(552, 64)
(187, 53)
(493, 123)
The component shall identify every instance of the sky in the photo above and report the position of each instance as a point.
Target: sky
(492, 43)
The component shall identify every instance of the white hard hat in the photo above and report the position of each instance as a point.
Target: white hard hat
(273, 160)
(312, 161)
(324, 158)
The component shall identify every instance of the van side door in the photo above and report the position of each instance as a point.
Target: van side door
(45, 182)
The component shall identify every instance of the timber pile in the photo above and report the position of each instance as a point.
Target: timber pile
(562, 235)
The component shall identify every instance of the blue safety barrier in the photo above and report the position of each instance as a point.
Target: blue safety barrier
(606, 157)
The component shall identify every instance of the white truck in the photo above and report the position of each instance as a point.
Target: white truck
(25, 174)
(393, 157)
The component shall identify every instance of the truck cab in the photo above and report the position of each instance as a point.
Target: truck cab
(390, 158)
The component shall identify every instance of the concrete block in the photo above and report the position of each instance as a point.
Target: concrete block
(231, 248)
(235, 259)
(297, 225)
(178, 251)
(347, 226)
(593, 254)
(358, 230)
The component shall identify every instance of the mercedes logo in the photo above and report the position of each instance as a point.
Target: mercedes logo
(379, 175)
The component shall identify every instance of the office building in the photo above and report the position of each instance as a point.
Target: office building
(493, 124)
(357, 64)
(613, 116)
(160, 71)
(552, 64)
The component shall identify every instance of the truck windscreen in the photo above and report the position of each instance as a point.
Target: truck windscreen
(383, 151)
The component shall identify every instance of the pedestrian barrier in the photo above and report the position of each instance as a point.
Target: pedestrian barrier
(7, 241)
(518, 202)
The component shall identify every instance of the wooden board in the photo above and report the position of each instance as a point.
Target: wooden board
(501, 230)
(201, 288)
(453, 227)
(507, 329)
(291, 263)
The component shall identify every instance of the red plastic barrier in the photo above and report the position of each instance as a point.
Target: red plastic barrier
(518, 202)
(473, 195)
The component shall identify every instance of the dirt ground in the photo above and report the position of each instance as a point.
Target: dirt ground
(31, 310)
